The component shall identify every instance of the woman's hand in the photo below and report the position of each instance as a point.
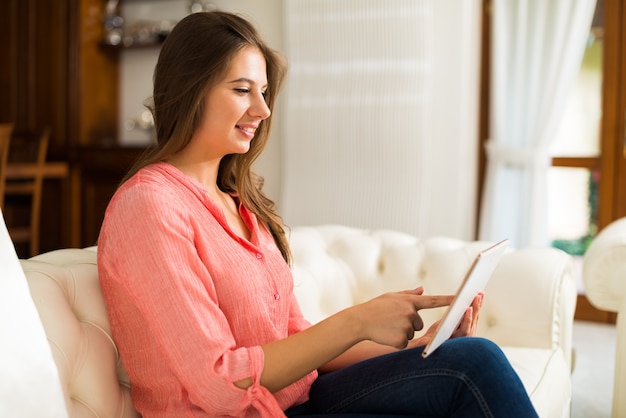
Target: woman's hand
(467, 327)
(392, 318)
(469, 323)
(372, 328)
(389, 323)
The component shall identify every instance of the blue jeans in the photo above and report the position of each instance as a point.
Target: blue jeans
(465, 377)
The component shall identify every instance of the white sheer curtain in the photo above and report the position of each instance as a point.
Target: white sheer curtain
(536, 54)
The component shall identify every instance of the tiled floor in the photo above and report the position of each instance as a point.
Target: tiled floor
(592, 378)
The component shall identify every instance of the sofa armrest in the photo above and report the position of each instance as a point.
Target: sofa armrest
(65, 289)
(604, 268)
(604, 278)
(531, 300)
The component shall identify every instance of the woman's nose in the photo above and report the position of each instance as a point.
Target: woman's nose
(259, 107)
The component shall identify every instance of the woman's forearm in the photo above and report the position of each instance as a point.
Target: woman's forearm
(359, 352)
(292, 358)
(387, 323)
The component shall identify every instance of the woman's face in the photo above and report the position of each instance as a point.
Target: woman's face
(234, 107)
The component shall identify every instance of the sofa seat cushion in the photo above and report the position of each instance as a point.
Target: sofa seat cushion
(542, 371)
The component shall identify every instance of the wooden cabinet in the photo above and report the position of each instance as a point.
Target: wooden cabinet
(56, 74)
(97, 171)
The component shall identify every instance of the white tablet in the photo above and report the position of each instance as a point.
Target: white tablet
(476, 277)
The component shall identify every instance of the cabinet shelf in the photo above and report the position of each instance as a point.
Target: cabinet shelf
(136, 45)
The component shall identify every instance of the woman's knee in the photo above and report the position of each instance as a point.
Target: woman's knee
(477, 351)
(473, 345)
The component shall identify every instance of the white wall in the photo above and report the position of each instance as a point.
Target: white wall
(453, 149)
(455, 117)
(381, 115)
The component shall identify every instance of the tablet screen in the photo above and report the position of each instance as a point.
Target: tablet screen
(476, 277)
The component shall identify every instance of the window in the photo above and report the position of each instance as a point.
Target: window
(587, 181)
(573, 180)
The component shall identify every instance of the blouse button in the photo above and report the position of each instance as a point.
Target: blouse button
(259, 256)
(276, 296)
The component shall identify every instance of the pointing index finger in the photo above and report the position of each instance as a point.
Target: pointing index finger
(424, 302)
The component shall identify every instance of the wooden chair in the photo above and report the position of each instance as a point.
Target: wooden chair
(5, 139)
(27, 147)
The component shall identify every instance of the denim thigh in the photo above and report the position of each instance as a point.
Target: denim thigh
(465, 377)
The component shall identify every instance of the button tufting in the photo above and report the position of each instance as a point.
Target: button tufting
(276, 296)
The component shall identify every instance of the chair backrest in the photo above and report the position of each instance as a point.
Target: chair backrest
(5, 139)
(28, 147)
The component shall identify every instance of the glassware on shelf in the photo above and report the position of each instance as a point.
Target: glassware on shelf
(113, 24)
(196, 6)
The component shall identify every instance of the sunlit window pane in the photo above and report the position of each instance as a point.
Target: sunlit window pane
(579, 133)
(572, 196)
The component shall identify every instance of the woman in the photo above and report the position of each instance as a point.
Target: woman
(194, 267)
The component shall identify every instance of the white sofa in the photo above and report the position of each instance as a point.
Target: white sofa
(604, 279)
(528, 309)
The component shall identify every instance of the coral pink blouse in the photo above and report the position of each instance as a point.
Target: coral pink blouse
(190, 302)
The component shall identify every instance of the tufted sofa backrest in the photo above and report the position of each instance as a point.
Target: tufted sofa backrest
(65, 288)
(337, 266)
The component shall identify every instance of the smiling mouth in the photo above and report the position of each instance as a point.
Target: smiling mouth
(245, 129)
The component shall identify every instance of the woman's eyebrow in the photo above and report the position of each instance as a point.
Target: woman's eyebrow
(245, 80)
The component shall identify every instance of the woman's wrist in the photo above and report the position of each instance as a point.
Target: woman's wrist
(353, 323)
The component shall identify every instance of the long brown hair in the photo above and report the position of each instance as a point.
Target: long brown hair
(194, 57)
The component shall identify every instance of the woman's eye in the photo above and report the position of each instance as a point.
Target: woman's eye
(244, 90)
